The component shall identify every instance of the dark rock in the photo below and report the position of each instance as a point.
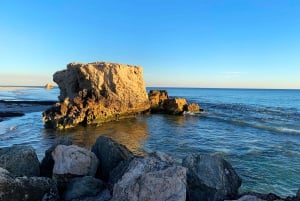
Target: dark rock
(268, 197)
(47, 163)
(298, 194)
(20, 160)
(82, 187)
(210, 178)
(151, 178)
(26, 188)
(110, 154)
(102, 196)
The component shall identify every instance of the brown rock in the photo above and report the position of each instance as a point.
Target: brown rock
(174, 105)
(97, 92)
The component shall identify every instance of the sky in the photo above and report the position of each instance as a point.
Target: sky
(179, 43)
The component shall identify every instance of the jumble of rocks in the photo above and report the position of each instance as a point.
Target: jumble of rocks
(110, 172)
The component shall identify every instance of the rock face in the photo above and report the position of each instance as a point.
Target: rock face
(162, 103)
(74, 160)
(81, 187)
(151, 178)
(110, 154)
(97, 92)
(26, 188)
(210, 178)
(20, 160)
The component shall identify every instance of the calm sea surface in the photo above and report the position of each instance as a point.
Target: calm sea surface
(257, 131)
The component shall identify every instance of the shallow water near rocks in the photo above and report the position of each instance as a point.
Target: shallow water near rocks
(257, 131)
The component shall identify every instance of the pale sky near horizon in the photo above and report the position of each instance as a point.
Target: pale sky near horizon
(183, 43)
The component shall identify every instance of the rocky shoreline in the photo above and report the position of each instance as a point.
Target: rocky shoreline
(110, 172)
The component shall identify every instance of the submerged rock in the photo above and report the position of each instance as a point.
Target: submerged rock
(210, 178)
(20, 160)
(97, 92)
(162, 103)
(151, 178)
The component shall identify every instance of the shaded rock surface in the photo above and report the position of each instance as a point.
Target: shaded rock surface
(20, 160)
(97, 92)
(110, 154)
(26, 188)
(74, 160)
(161, 103)
(210, 178)
(81, 187)
(151, 178)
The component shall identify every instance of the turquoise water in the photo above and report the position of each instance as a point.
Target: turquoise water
(257, 131)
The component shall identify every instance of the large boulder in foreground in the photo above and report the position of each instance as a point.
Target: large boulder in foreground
(20, 160)
(210, 178)
(97, 92)
(26, 188)
(151, 178)
(110, 154)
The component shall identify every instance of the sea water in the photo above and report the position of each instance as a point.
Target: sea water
(257, 131)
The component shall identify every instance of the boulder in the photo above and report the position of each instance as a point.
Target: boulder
(151, 178)
(110, 154)
(210, 178)
(26, 188)
(247, 198)
(47, 164)
(49, 86)
(81, 187)
(20, 160)
(160, 102)
(97, 92)
(74, 160)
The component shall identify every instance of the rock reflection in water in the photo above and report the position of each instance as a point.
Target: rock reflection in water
(130, 132)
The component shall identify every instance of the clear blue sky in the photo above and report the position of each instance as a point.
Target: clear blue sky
(204, 43)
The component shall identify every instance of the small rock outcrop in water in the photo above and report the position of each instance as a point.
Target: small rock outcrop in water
(161, 103)
(97, 92)
(48, 86)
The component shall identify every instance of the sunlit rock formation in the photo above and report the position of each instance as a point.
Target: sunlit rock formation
(97, 92)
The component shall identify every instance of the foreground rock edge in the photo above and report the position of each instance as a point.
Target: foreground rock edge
(156, 169)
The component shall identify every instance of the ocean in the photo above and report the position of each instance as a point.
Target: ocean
(256, 130)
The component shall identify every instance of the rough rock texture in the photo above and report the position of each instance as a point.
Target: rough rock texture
(210, 178)
(74, 160)
(47, 164)
(20, 160)
(81, 187)
(161, 103)
(110, 154)
(26, 188)
(97, 92)
(151, 178)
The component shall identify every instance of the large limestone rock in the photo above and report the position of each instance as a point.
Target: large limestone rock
(210, 178)
(20, 160)
(74, 160)
(26, 188)
(97, 92)
(151, 178)
(110, 154)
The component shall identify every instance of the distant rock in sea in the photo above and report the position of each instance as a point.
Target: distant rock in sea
(97, 92)
(49, 86)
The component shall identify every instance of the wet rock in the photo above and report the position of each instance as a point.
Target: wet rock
(97, 92)
(110, 154)
(210, 178)
(268, 197)
(20, 160)
(74, 160)
(47, 164)
(150, 178)
(82, 187)
(247, 198)
(26, 188)
(161, 103)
